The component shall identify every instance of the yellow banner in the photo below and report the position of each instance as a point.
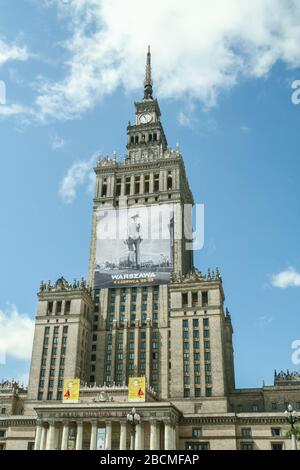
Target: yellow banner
(137, 389)
(71, 390)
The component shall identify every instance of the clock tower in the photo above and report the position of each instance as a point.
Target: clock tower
(146, 138)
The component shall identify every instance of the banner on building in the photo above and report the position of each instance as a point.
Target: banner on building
(134, 246)
(137, 389)
(101, 432)
(71, 390)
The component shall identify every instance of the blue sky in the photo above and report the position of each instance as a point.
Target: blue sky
(72, 71)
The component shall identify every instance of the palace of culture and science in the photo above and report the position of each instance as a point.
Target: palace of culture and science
(145, 312)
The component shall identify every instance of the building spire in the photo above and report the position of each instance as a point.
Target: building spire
(148, 81)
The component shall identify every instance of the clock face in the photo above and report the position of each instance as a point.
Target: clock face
(145, 118)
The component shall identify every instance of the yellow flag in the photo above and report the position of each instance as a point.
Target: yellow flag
(71, 390)
(137, 389)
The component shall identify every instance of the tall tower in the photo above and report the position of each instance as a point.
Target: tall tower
(147, 310)
(131, 325)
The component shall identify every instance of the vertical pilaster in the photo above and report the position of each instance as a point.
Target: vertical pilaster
(108, 435)
(38, 435)
(93, 441)
(79, 435)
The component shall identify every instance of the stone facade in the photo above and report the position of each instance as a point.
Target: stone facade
(178, 335)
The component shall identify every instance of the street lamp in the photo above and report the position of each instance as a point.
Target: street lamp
(133, 418)
(291, 416)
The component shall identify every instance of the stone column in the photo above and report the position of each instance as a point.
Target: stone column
(65, 436)
(43, 438)
(93, 442)
(123, 435)
(50, 436)
(108, 435)
(168, 435)
(138, 437)
(79, 435)
(38, 435)
(175, 437)
(153, 435)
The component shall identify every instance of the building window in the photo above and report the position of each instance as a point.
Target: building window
(255, 408)
(246, 432)
(3, 411)
(185, 323)
(184, 297)
(156, 182)
(277, 446)
(196, 432)
(204, 296)
(206, 322)
(186, 393)
(104, 188)
(47, 330)
(118, 187)
(206, 344)
(186, 380)
(197, 379)
(49, 395)
(58, 307)
(50, 308)
(197, 445)
(276, 432)
(195, 322)
(197, 392)
(127, 186)
(147, 184)
(207, 356)
(40, 395)
(67, 307)
(208, 392)
(65, 329)
(56, 330)
(194, 298)
(137, 185)
(247, 446)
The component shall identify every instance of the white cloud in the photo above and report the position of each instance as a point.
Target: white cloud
(245, 129)
(285, 279)
(200, 48)
(57, 142)
(13, 110)
(9, 52)
(264, 321)
(16, 334)
(184, 120)
(80, 173)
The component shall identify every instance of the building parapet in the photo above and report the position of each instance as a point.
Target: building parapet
(63, 285)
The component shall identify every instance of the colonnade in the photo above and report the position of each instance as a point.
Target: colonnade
(54, 435)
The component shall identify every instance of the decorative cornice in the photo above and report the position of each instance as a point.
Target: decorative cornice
(61, 285)
(196, 276)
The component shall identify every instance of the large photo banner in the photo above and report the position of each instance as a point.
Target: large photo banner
(134, 246)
